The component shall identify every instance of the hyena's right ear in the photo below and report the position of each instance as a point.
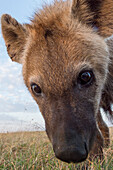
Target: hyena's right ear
(15, 37)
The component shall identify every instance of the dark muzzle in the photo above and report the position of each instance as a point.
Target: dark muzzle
(70, 148)
(72, 153)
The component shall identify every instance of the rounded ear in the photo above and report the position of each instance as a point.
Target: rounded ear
(96, 13)
(14, 35)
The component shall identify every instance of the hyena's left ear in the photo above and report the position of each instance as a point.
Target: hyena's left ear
(97, 13)
(15, 37)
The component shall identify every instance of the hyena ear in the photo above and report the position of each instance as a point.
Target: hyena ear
(15, 37)
(97, 13)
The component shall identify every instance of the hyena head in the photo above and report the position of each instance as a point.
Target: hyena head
(65, 64)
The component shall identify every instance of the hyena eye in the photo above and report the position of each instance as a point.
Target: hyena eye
(85, 78)
(36, 89)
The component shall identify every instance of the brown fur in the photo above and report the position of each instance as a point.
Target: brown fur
(59, 43)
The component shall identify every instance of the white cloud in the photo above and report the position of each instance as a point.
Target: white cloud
(1, 96)
(12, 88)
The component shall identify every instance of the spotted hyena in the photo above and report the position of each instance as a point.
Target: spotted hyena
(66, 55)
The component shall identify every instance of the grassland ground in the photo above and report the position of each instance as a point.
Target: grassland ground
(32, 150)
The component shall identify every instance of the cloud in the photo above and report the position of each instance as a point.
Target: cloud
(16, 103)
(14, 96)
(11, 122)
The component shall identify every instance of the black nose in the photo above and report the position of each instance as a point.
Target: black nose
(72, 153)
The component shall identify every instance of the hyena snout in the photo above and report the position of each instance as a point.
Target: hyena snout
(72, 132)
(72, 143)
(71, 150)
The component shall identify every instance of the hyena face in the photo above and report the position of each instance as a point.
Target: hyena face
(65, 66)
(65, 72)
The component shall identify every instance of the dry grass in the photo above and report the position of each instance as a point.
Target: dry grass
(32, 150)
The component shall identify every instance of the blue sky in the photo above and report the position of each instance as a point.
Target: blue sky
(14, 97)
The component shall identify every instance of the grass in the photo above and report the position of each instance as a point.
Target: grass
(32, 150)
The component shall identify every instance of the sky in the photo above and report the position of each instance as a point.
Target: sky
(16, 103)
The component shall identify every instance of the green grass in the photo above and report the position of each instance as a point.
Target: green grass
(32, 150)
